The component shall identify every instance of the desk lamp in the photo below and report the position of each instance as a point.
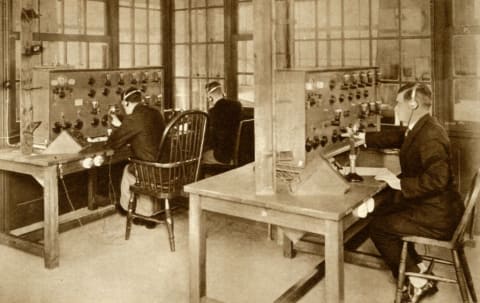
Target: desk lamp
(352, 134)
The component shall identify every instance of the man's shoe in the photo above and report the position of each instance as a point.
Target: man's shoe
(416, 294)
(147, 224)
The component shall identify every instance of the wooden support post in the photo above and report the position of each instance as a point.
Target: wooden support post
(26, 108)
(263, 42)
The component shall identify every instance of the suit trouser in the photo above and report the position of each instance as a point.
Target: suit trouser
(390, 223)
(145, 205)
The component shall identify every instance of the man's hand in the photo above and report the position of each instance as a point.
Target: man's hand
(115, 121)
(392, 180)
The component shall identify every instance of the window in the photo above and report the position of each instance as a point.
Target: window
(199, 50)
(465, 42)
(393, 35)
(140, 38)
(244, 41)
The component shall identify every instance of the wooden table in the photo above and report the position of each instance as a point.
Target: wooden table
(233, 193)
(47, 169)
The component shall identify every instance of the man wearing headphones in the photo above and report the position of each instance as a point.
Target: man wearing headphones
(425, 201)
(142, 130)
(224, 118)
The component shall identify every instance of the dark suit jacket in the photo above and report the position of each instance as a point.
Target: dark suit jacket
(143, 130)
(427, 181)
(224, 118)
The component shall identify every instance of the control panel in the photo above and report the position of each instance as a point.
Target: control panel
(313, 108)
(80, 100)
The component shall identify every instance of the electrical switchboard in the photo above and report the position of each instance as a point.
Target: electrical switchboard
(314, 107)
(79, 100)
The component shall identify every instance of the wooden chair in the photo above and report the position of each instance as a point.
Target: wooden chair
(455, 245)
(243, 151)
(179, 162)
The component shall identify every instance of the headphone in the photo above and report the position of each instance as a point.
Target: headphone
(413, 104)
(130, 94)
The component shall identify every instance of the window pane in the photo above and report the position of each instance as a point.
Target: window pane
(216, 60)
(388, 59)
(181, 26)
(215, 24)
(245, 17)
(387, 18)
(179, 4)
(198, 3)
(49, 16)
(335, 19)
(466, 13)
(466, 52)
(73, 17)
(467, 100)
(125, 2)
(416, 58)
(198, 94)
(140, 3)
(155, 22)
(140, 25)
(357, 52)
(305, 20)
(356, 18)
(245, 88)
(198, 24)
(182, 94)
(388, 96)
(95, 18)
(335, 53)
(304, 53)
(245, 56)
(97, 55)
(126, 55)
(322, 53)
(215, 2)
(182, 58)
(199, 60)
(141, 55)
(50, 53)
(155, 4)
(77, 54)
(155, 54)
(125, 24)
(322, 17)
(415, 17)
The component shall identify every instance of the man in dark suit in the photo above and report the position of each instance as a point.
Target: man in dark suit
(426, 202)
(142, 130)
(224, 118)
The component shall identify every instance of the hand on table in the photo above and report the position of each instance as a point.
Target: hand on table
(388, 177)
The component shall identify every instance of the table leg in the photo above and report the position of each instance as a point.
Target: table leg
(197, 247)
(334, 277)
(50, 209)
(92, 188)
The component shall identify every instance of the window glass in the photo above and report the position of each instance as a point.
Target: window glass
(125, 24)
(199, 60)
(182, 58)
(305, 53)
(74, 20)
(155, 54)
(181, 27)
(140, 25)
(415, 17)
(141, 55)
(466, 55)
(388, 59)
(245, 17)
(198, 25)
(466, 13)
(466, 100)
(182, 96)
(98, 55)
(126, 55)
(305, 20)
(215, 25)
(155, 22)
(216, 60)
(95, 18)
(416, 60)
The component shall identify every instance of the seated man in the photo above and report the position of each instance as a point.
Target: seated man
(224, 118)
(142, 130)
(426, 202)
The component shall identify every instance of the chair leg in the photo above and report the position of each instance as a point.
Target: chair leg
(169, 223)
(468, 274)
(462, 284)
(401, 273)
(131, 208)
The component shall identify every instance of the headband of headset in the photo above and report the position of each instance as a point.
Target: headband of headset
(413, 102)
(131, 93)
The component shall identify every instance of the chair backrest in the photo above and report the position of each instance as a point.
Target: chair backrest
(182, 141)
(244, 149)
(470, 202)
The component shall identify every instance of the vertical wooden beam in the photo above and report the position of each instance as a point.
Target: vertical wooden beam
(230, 29)
(4, 31)
(168, 28)
(26, 106)
(263, 48)
(113, 31)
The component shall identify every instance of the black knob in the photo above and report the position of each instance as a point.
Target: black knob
(341, 98)
(91, 93)
(91, 81)
(119, 91)
(108, 82)
(61, 94)
(105, 91)
(308, 145)
(324, 141)
(332, 100)
(57, 127)
(105, 120)
(316, 142)
(78, 124)
(67, 125)
(95, 122)
(335, 136)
